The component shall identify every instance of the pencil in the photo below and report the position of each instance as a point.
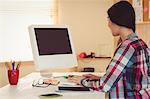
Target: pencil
(8, 65)
(18, 65)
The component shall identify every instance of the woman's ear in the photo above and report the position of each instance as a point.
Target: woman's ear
(109, 23)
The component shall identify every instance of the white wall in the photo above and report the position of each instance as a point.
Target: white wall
(15, 17)
(87, 20)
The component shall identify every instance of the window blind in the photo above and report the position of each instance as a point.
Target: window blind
(15, 17)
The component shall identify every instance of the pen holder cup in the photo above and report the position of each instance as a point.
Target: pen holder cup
(13, 76)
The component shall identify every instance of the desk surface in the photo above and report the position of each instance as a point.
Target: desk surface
(24, 90)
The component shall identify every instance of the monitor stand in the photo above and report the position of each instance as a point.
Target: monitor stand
(46, 74)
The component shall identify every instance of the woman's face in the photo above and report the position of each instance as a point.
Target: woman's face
(114, 28)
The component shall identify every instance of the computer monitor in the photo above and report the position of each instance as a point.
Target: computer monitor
(52, 47)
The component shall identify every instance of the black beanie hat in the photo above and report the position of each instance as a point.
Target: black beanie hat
(122, 13)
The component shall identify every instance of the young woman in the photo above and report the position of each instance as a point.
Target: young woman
(128, 74)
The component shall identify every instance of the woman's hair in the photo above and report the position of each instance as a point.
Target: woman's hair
(122, 13)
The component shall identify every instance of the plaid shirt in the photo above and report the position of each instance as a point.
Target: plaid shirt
(128, 74)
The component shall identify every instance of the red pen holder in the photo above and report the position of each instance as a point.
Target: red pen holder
(13, 76)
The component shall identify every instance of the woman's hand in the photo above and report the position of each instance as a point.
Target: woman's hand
(75, 79)
(91, 77)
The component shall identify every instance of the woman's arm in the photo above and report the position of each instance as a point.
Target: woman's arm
(115, 69)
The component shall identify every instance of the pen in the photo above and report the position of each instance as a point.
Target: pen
(65, 77)
(13, 64)
(68, 76)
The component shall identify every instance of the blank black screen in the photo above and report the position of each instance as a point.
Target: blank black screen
(52, 41)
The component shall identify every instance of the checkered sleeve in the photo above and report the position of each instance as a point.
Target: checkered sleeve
(115, 69)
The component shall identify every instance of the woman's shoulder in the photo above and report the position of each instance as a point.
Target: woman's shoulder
(126, 45)
(131, 41)
(135, 43)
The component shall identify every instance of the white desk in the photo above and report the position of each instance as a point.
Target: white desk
(24, 90)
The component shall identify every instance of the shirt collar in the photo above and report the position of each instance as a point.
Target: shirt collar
(133, 35)
(130, 36)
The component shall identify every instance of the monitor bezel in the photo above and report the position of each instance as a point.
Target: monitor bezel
(49, 61)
